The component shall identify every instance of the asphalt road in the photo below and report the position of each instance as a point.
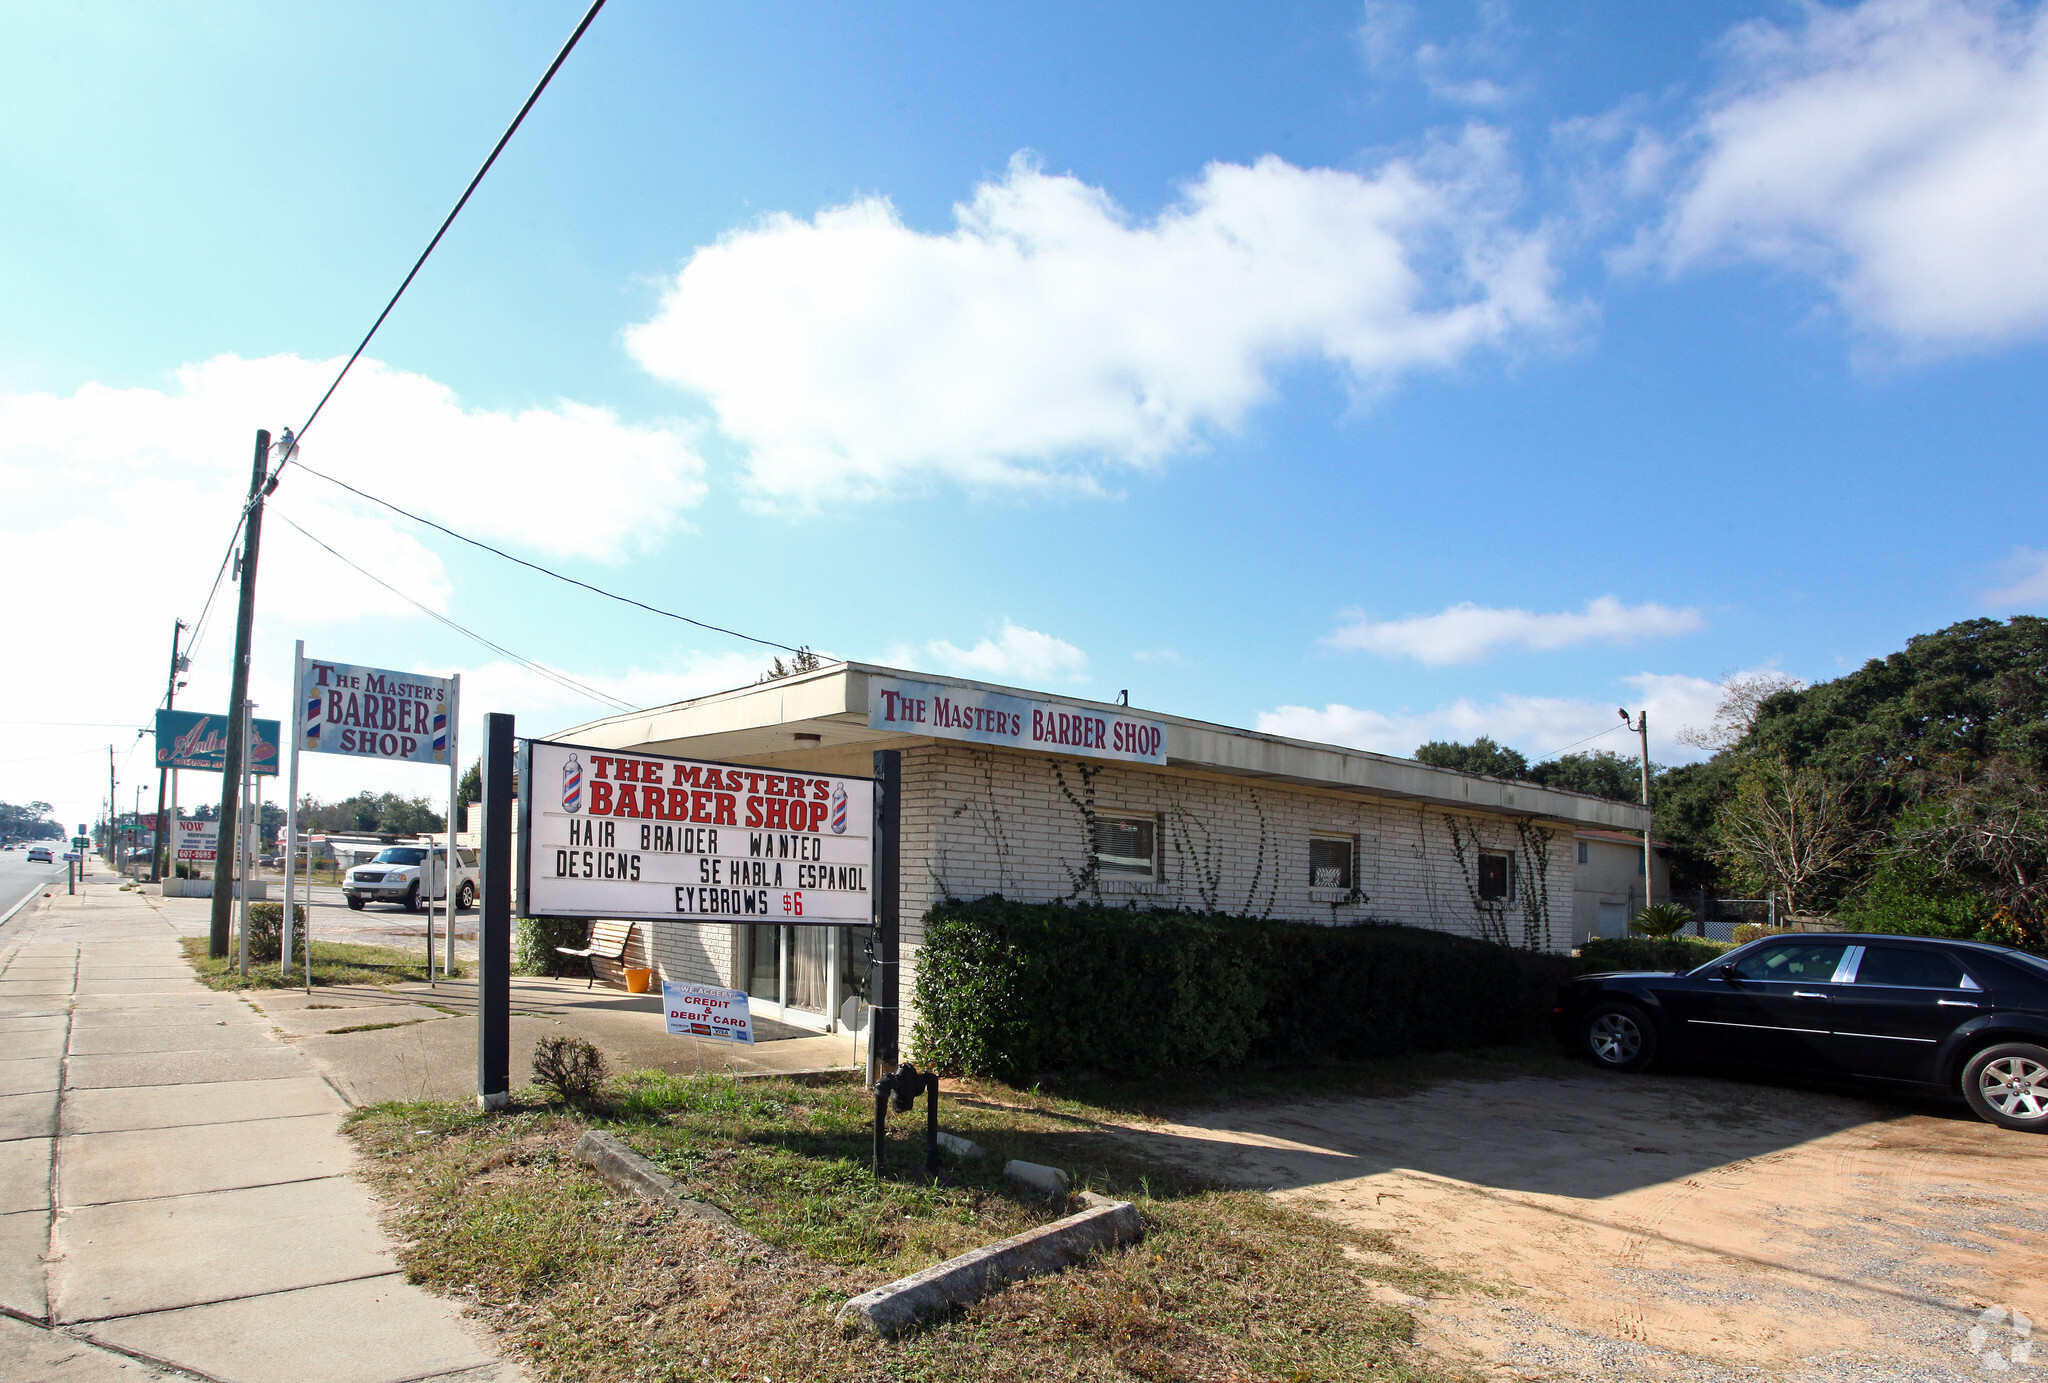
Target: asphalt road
(19, 878)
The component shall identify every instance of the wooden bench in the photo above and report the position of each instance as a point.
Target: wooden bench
(607, 941)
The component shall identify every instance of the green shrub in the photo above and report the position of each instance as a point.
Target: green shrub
(1012, 990)
(266, 929)
(534, 941)
(1644, 953)
(1661, 920)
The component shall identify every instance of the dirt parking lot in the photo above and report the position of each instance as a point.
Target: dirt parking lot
(1675, 1226)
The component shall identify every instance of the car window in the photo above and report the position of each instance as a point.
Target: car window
(398, 856)
(1910, 967)
(467, 856)
(1810, 962)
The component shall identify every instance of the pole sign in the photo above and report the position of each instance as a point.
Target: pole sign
(373, 713)
(615, 834)
(193, 740)
(1016, 722)
(702, 1010)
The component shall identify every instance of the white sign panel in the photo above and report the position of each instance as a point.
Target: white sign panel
(372, 712)
(986, 717)
(195, 841)
(700, 1010)
(608, 833)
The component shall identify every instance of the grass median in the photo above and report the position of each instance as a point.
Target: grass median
(334, 963)
(587, 1284)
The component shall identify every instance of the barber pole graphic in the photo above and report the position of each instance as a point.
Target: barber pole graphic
(838, 810)
(572, 785)
(313, 706)
(440, 734)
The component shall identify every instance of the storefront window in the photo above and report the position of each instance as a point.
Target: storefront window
(1126, 847)
(1329, 862)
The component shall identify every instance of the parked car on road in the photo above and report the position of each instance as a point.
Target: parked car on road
(39, 854)
(1915, 1013)
(395, 877)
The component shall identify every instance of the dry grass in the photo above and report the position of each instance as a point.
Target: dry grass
(334, 962)
(587, 1285)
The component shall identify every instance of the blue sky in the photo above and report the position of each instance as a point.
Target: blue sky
(1370, 372)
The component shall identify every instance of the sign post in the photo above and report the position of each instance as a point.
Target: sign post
(494, 925)
(291, 825)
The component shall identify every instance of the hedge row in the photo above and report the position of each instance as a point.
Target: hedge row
(1013, 990)
(1647, 953)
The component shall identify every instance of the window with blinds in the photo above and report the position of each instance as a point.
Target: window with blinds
(1127, 847)
(1496, 878)
(1329, 862)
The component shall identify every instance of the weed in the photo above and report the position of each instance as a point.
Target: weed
(570, 1067)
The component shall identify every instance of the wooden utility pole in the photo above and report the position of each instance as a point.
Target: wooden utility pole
(113, 809)
(238, 692)
(159, 858)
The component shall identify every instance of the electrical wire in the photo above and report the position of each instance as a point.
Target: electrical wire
(420, 263)
(548, 571)
(562, 680)
(1599, 735)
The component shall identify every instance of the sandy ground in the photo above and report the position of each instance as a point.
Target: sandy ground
(1675, 1226)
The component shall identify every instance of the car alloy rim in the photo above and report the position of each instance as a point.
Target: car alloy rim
(2015, 1086)
(1616, 1038)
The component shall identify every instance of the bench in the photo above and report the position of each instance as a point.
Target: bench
(607, 941)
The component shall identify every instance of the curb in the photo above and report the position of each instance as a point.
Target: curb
(890, 1310)
(620, 1166)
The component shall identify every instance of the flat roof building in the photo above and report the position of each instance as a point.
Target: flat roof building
(1041, 798)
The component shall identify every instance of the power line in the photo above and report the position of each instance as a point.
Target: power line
(559, 679)
(460, 203)
(548, 571)
(1602, 734)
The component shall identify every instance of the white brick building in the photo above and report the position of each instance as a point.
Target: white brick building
(1201, 816)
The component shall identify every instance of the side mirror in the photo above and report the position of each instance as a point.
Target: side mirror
(1727, 969)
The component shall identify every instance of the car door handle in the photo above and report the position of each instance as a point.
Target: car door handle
(1953, 1003)
(1807, 994)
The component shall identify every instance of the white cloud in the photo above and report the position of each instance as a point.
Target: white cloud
(1898, 150)
(120, 502)
(1539, 726)
(1052, 337)
(1016, 655)
(1466, 632)
(2028, 570)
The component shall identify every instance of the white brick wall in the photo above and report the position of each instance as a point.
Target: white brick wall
(980, 821)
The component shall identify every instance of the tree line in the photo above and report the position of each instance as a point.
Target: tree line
(1910, 795)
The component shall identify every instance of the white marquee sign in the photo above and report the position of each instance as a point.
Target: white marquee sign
(987, 717)
(618, 834)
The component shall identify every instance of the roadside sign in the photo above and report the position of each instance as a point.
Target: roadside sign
(702, 1010)
(196, 842)
(620, 834)
(195, 740)
(373, 713)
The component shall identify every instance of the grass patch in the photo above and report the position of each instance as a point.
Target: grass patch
(589, 1285)
(334, 962)
(373, 1027)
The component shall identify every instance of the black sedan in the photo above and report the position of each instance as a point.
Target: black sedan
(1917, 1013)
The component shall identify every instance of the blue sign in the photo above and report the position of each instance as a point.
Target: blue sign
(194, 740)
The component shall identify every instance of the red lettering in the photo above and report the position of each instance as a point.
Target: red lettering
(753, 811)
(723, 816)
(753, 782)
(678, 804)
(700, 807)
(628, 800)
(600, 796)
(818, 810)
(775, 785)
(603, 763)
(821, 791)
(778, 814)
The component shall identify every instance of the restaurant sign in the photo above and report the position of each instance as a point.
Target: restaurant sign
(191, 740)
(1016, 722)
(618, 834)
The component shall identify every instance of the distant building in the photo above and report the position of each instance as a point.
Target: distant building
(1607, 881)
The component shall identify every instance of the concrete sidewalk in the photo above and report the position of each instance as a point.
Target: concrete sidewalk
(174, 1187)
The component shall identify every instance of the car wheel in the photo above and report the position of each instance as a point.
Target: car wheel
(2007, 1085)
(1619, 1037)
(412, 898)
(355, 904)
(465, 897)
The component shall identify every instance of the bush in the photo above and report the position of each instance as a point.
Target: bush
(1661, 920)
(1644, 953)
(570, 1067)
(266, 929)
(534, 941)
(1746, 932)
(1012, 990)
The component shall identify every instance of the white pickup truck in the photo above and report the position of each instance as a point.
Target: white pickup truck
(394, 877)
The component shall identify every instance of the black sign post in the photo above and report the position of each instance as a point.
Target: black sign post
(883, 1048)
(494, 928)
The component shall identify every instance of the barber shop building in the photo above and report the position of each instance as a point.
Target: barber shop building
(1045, 798)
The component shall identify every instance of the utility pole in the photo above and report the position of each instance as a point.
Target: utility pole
(238, 692)
(159, 858)
(113, 807)
(1642, 727)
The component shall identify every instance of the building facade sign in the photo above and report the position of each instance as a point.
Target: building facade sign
(612, 834)
(373, 713)
(194, 740)
(1015, 722)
